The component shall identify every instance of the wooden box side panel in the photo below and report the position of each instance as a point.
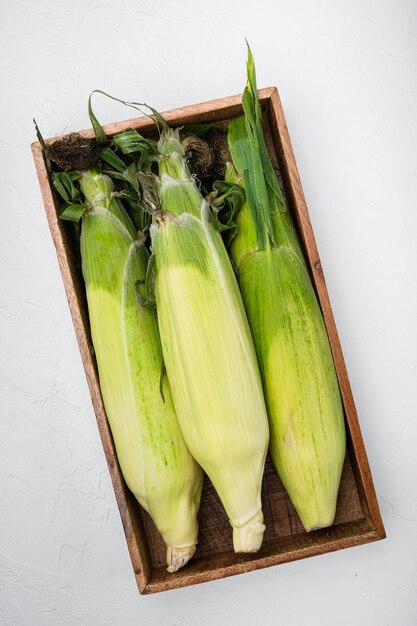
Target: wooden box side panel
(206, 112)
(277, 552)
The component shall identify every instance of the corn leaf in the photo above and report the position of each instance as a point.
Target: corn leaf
(251, 159)
(98, 130)
(73, 212)
(226, 200)
(63, 183)
(131, 142)
(110, 157)
(97, 127)
(43, 145)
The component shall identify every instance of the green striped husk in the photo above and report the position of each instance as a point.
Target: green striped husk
(208, 349)
(301, 389)
(155, 462)
(300, 383)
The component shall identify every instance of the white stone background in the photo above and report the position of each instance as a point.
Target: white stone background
(346, 70)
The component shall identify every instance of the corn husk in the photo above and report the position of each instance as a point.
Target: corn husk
(155, 462)
(299, 378)
(208, 348)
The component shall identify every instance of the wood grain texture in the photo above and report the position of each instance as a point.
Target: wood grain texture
(357, 519)
(281, 550)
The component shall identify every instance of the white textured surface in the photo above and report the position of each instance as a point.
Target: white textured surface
(347, 75)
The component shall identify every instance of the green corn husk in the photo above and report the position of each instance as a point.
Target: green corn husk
(300, 383)
(155, 462)
(208, 349)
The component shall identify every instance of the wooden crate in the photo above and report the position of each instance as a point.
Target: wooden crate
(358, 518)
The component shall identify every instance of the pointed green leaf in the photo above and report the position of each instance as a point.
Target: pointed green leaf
(251, 159)
(98, 129)
(110, 157)
(43, 145)
(226, 200)
(73, 212)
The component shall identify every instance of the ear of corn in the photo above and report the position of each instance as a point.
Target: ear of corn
(155, 462)
(301, 389)
(208, 349)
